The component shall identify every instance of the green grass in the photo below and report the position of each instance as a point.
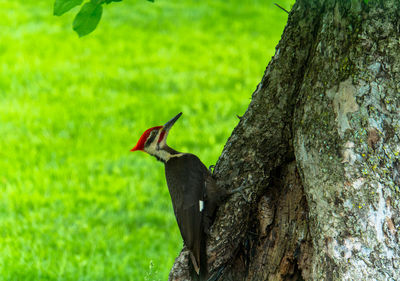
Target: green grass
(75, 204)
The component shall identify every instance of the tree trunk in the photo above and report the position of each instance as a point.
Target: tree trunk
(317, 152)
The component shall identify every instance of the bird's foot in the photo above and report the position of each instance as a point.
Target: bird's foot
(239, 190)
(211, 169)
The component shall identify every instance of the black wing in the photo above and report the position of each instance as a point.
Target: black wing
(186, 183)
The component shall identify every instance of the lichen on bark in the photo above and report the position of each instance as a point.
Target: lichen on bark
(352, 194)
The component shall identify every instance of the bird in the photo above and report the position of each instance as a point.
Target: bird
(194, 193)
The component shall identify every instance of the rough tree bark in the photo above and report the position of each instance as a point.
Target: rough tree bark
(317, 152)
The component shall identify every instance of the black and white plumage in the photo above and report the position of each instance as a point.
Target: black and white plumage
(194, 193)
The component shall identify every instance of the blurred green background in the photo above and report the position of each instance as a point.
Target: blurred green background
(75, 204)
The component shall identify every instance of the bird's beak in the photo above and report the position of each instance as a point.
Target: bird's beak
(171, 122)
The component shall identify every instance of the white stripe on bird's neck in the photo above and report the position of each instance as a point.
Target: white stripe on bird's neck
(157, 148)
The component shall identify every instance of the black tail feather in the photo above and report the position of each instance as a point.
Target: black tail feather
(192, 272)
(203, 259)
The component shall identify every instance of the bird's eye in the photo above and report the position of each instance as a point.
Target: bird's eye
(150, 139)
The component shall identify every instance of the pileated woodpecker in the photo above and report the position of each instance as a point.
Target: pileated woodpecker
(193, 191)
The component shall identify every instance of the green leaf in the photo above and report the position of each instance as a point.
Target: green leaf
(87, 18)
(151, 1)
(109, 1)
(63, 6)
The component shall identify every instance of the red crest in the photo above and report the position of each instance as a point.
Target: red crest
(143, 138)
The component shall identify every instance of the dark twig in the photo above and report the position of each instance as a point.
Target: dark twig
(280, 7)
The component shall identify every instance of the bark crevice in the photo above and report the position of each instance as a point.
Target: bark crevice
(283, 242)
